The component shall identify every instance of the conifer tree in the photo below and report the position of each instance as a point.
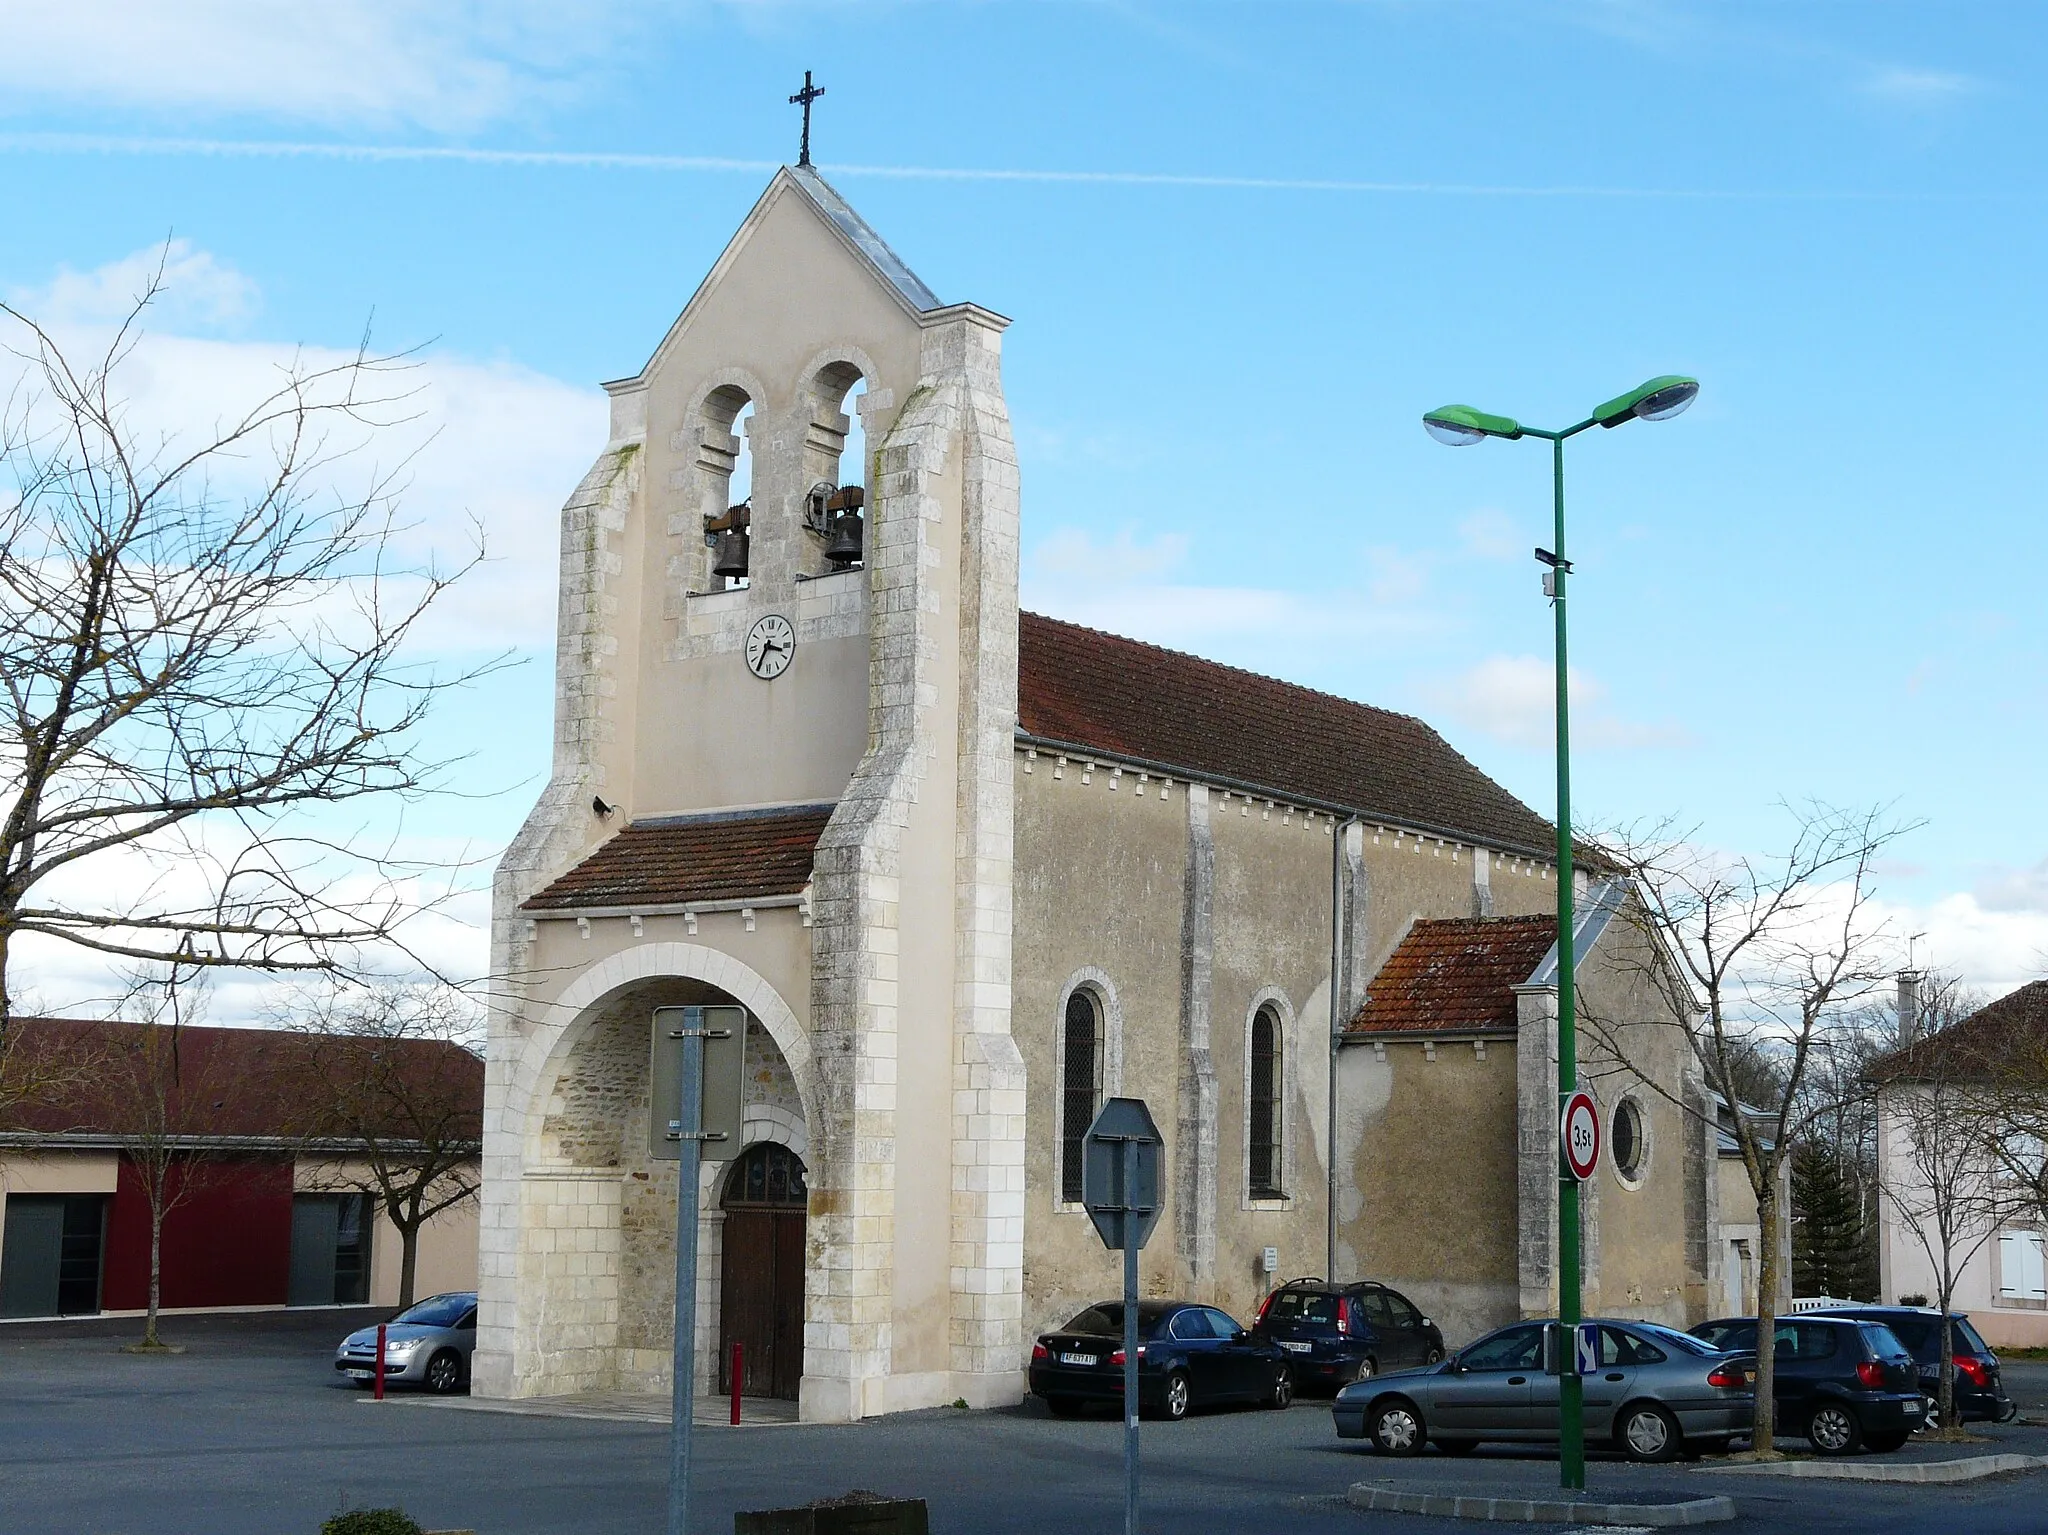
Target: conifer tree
(1832, 1253)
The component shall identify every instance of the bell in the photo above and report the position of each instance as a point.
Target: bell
(844, 549)
(731, 559)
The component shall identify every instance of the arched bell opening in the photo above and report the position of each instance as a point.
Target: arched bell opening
(837, 471)
(764, 1203)
(725, 462)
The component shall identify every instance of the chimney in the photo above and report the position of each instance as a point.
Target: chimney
(1909, 1006)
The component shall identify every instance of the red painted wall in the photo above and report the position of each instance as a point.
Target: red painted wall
(227, 1243)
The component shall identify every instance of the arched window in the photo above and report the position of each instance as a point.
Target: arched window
(1630, 1140)
(766, 1176)
(1263, 1092)
(1080, 1085)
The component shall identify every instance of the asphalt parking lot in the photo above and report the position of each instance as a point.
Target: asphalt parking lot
(249, 1433)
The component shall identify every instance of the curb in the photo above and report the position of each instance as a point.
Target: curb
(1546, 1510)
(1970, 1469)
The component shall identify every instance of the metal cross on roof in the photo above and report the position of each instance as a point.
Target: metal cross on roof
(804, 98)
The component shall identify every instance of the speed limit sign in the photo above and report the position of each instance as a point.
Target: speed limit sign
(1578, 1134)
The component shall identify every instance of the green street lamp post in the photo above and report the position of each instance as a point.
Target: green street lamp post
(1460, 426)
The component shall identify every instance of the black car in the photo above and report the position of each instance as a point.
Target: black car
(1337, 1333)
(1980, 1388)
(1188, 1356)
(1844, 1382)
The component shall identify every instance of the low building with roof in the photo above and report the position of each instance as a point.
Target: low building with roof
(269, 1198)
(970, 872)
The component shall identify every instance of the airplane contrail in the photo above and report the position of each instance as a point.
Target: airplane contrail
(81, 143)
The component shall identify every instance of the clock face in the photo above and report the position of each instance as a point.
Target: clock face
(770, 644)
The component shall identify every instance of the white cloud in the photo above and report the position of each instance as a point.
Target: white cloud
(196, 288)
(2015, 890)
(1918, 87)
(1513, 699)
(1993, 949)
(1077, 554)
(1491, 535)
(443, 65)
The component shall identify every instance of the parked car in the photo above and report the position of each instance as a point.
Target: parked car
(1657, 1394)
(1980, 1386)
(1337, 1333)
(427, 1344)
(1843, 1382)
(1188, 1356)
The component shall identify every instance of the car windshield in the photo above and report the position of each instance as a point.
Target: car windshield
(437, 1311)
(1302, 1306)
(1882, 1340)
(1727, 1337)
(1678, 1340)
(1107, 1321)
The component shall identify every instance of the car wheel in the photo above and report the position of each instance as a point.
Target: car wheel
(1884, 1444)
(1281, 1394)
(1649, 1433)
(1366, 1370)
(1434, 1356)
(1174, 1405)
(1395, 1428)
(1064, 1406)
(444, 1372)
(1834, 1430)
(1456, 1446)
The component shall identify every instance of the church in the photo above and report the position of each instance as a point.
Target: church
(970, 871)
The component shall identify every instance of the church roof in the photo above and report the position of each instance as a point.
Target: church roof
(729, 855)
(1455, 975)
(1081, 689)
(861, 235)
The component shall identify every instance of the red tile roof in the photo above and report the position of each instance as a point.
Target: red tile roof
(1080, 688)
(1454, 975)
(2006, 1038)
(726, 856)
(266, 1084)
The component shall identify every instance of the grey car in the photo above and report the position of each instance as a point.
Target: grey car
(428, 1344)
(1657, 1394)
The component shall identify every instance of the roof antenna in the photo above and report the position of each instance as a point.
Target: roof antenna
(804, 98)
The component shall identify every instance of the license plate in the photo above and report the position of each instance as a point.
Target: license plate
(1079, 1358)
(1913, 1407)
(1296, 1348)
(360, 1374)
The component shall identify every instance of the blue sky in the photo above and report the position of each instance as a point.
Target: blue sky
(1245, 246)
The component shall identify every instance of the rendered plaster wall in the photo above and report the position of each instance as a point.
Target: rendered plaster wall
(1100, 863)
(1650, 1239)
(1412, 878)
(1429, 1148)
(1272, 946)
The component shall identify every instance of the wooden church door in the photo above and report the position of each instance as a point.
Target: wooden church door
(761, 1291)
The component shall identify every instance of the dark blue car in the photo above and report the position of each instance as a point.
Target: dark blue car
(1188, 1356)
(1980, 1386)
(1846, 1383)
(1336, 1333)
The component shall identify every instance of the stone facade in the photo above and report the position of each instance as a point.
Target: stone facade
(906, 1004)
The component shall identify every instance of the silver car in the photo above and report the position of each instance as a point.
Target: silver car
(428, 1344)
(1658, 1393)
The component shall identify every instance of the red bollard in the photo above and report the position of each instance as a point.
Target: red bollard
(379, 1390)
(737, 1358)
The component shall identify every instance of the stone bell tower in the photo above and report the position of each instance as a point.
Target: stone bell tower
(700, 719)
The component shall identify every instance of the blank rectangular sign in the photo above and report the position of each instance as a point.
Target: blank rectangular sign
(725, 1054)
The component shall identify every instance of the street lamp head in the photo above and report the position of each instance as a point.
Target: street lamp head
(1460, 426)
(1658, 400)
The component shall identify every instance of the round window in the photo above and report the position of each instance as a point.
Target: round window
(1628, 1139)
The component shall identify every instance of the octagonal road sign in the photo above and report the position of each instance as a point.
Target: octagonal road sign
(1578, 1134)
(1122, 1205)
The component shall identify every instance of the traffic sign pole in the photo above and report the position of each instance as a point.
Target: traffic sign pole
(1130, 1234)
(682, 1390)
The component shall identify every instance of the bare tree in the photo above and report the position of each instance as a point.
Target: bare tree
(164, 1096)
(400, 1111)
(1759, 959)
(1943, 1175)
(202, 641)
